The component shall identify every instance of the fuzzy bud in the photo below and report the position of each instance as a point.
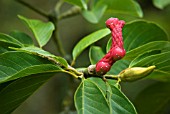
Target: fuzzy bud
(135, 73)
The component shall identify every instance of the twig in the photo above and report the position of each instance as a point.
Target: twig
(56, 39)
(91, 72)
(69, 13)
(58, 6)
(116, 77)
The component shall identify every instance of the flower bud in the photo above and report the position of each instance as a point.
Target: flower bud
(135, 73)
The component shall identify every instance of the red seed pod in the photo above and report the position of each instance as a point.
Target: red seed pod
(102, 68)
(116, 51)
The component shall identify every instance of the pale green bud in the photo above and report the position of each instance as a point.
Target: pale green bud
(135, 73)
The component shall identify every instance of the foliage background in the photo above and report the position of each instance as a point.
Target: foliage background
(48, 99)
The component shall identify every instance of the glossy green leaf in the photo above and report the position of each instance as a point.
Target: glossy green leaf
(119, 103)
(44, 54)
(100, 83)
(139, 33)
(9, 40)
(17, 91)
(42, 31)
(15, 65)
(104, 85)
(113, 83)
(118, 66)
(155, 45)
(3, 48)
(88, 40)
(144, 55)
(127, 7)
(61, 61)
(161, 3)
(15, 39)
(161, 61)
(153, 99)
(23, 38)
(96, 13)
(95, 54)
(89, 99)
(34, 50)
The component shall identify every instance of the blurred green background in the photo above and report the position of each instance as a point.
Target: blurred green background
(48, 99)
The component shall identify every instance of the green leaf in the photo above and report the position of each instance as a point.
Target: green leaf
(22, 38)
(89, 99)
(139, 33)
(143, 55)
(3, 48)
(34, 50)
(155, 45)
(153, 99)
(161, 3)
(15, 65)
(42, 31)
(96, 13)
(119, 103)
(61, 61)
(95, 54)
(100, 83)
(161, 61)
(15, 39)
(84, 3)
(109, 43)
(9, 40)
(118, 66)
(80, 3)
(88, 40)
(44, 54)
(113, 83)
(17, 91)
(128, 7)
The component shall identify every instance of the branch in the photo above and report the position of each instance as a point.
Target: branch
(33, 8)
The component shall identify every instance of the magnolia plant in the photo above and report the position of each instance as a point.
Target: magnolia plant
(136, 50)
